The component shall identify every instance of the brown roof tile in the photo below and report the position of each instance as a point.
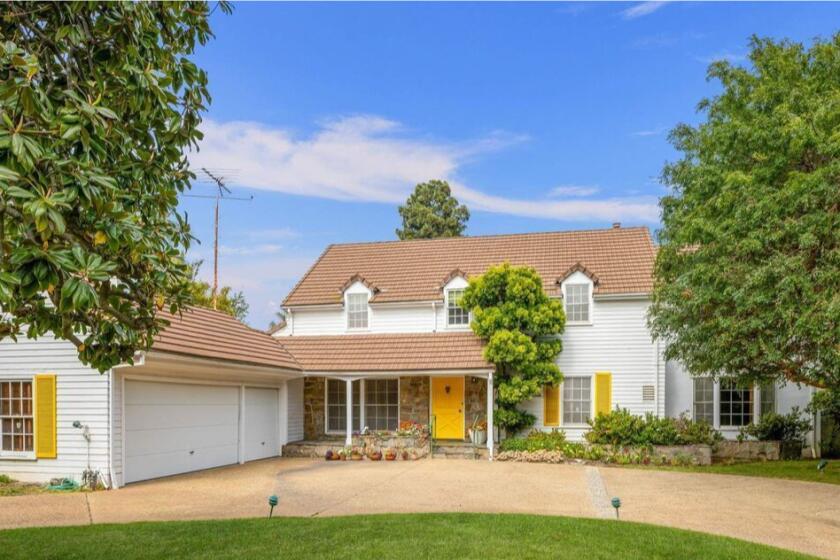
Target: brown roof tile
(212, 334)
(387, 352)
(621, 258)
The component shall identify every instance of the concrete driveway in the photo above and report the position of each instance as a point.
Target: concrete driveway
(801, 516)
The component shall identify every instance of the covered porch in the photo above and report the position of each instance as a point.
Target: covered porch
(394, 386)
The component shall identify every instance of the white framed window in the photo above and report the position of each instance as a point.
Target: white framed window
(577, 400)
(767, 398)
(736, 404)
(16, 417)
(704, 400)
(357, 311)
(337, 405)
(456, 316)
(577, 302)
(382, 404)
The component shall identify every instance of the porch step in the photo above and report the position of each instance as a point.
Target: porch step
(458, 450)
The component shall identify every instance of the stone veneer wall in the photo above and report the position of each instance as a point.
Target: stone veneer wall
(313, 407)
(475, 401)
(414, 399)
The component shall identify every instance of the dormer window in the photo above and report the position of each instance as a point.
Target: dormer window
(577, 302)
(456, 316)
(357, 311)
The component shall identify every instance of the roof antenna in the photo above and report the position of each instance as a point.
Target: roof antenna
(219, 196)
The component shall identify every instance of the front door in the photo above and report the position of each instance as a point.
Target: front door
(448, 407)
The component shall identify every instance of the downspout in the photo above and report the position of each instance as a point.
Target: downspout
(291, 322)
(434, 316)
(658, 358)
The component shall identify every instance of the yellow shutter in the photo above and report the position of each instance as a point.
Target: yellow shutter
(45, 428)
(603, 392)
(551, 405)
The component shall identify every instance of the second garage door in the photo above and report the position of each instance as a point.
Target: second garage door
(262, 423)
(173, 428)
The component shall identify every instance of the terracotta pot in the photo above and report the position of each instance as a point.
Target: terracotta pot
(390, 456)
(375, 456)
(356, 457)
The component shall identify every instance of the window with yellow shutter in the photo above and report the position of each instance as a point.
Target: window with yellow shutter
(551, 405)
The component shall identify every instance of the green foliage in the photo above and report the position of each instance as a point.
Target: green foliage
(227, 301)
(748, 271)
(791, 427)
(537, 440)
(98, 102)
(5, 479)
(431, 211)
(521, 326)
(620, 427)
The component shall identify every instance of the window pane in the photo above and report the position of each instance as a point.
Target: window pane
(768, 398)
(577, 302)
(455, 314)
(357, 311)
(337, 405)
(382, 404)
(576, 400)
(703, 399)
(736, 404)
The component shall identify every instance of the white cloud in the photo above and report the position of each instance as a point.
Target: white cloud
(642, 9)
(368, 158)
(573, 190)
(728, 56)
(652, 132)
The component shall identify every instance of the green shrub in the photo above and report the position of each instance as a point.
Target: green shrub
(5, 479)
(787, 428)
(621, 427)
(536, 441)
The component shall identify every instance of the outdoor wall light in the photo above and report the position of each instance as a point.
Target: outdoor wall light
(272, 501)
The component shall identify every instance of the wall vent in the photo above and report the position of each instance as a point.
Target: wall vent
(648, 393)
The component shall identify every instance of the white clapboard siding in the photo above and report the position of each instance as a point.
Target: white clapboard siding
(81, 394)
(619, 342)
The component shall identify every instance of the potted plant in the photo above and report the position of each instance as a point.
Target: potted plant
(375, 455)
(390, 454)
(356, 454)
(329, 455)
(478, 432)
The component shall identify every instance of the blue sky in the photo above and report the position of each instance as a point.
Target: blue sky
(545, 116)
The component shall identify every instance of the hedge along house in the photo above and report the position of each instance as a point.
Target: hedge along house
(210, 392)
(379, 334)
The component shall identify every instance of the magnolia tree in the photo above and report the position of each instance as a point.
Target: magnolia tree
(98, 102)
(748, 272)
(521, 327)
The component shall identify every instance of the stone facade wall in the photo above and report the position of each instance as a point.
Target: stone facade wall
(313, 407)
(735, 451)
(414, 399)
(475, 401)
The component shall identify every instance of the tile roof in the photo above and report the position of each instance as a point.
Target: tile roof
(212, 334)
(387, 352)
(621, 258)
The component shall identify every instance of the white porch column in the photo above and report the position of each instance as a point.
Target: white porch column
(349, 439)
(490, 403)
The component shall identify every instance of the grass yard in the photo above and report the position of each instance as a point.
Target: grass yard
(792, 470)
(415, 536)
(11, 487)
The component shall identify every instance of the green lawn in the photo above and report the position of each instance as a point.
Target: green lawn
(794, 470)
(415, 536)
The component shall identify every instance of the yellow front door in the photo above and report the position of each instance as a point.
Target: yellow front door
(448, 407)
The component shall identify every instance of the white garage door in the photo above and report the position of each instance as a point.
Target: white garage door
(172, 428)
(262, 419)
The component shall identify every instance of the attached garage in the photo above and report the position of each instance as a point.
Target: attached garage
(210, 393)
(173, 428)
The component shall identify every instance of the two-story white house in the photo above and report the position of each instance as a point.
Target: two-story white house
(374, 337)
(379, 334)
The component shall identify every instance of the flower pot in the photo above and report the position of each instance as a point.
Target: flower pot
(390, 456)
(478, 437)
(375, 456)
(356, 457)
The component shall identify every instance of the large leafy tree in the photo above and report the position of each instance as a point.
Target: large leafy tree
(98, 102)
(227, 301)
(748, 272)
(522, 328)
(431, 211)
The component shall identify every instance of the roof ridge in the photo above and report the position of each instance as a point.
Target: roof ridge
(487, 236)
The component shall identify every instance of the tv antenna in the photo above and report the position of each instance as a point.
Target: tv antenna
(222, 193)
